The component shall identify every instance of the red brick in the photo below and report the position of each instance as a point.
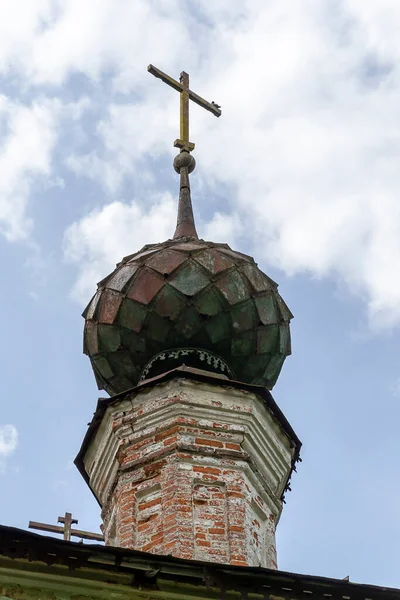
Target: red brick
(238, 557)
(233, 446)
(211, 470)
(217, 552)
(149, 503)
(184, 509)
(204, 442)
(216, 530)
(236, 529)
(170, 441)
(203, 543)
(182, 501)
(201, 509)
(147, 547)
(164, 434)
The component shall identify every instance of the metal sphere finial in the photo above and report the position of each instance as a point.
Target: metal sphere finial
(184, 159)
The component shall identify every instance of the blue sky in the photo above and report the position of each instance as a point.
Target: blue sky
(302, 172)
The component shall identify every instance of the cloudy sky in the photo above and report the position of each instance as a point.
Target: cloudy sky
(302, 171)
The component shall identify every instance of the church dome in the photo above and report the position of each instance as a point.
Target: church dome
(186, 301)
(189, 302)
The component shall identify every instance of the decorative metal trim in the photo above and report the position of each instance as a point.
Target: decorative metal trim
(212, 360)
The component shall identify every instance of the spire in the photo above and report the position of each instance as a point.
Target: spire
(184, 164)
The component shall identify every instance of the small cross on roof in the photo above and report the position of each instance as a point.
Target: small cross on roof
(66, 530)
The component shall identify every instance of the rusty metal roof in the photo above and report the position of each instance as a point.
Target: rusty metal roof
(154, 574)
(186, 293)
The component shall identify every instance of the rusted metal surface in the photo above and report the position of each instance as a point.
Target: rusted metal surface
(266, 308)
(210, 302)
(190, 279)
(121, 278)
(258, 280)
(169, 303)
(109, 305)
(132, 315)
(244, 317)
(185, 225)
(214, 261)
(66, 531)
(233, 287)
(187, 293)
(210, 106)
(90, 310)
(91, 341)
(189, 246)
(145, 286)
(184, 143)
(166, 262)
(133, 570)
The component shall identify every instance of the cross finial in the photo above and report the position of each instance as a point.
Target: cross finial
(66, 530)
(182, 86)
(67, 521)
(184, 163)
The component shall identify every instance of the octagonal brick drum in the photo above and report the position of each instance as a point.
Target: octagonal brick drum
(186, 294)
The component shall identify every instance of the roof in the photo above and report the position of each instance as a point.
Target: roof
(196, 375)
(155, 573)
(186, 294)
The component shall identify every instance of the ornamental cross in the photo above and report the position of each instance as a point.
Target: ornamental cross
(182, 86)
(66, 530)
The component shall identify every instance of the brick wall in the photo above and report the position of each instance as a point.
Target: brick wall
(191, 470)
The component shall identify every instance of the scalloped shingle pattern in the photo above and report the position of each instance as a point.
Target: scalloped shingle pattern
(186, 294)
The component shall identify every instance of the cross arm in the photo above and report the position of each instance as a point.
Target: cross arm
(165, 78)
(207, 105)
(46, 527)
(87, 535)
(179, 88)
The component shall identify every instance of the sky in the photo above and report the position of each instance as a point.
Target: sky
(301, 171)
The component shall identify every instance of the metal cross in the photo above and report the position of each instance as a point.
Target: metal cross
(182, 86)
(66, 530)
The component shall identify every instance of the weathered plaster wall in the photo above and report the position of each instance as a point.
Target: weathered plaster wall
(193, 470)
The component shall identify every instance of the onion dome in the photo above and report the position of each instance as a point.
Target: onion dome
(186, 301)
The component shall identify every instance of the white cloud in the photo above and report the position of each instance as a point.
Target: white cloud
(29, 135)
(24, 154)
(8, 443)
(309, 141)
(103, 237)
(128, 133)
(48, 40)
(317, 152)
